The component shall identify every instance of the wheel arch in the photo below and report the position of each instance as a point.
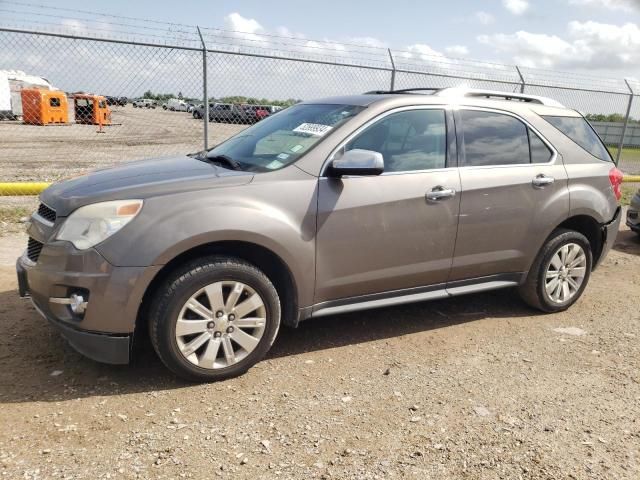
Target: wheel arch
(273, 266)
(588, 226)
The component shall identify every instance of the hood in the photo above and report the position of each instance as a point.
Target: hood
(141, 179)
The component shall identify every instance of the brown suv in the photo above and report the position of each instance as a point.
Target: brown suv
(331, 206)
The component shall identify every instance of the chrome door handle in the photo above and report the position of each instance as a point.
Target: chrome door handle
(439, 193)
(542, 181)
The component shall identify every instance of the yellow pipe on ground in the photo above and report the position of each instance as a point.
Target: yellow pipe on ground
(631, 179)
(9, 189)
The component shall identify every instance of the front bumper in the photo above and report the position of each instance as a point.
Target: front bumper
(103, 332)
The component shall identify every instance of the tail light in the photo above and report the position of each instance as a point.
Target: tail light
(615, 177)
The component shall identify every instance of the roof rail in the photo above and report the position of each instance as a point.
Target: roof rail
(404, 90)
(495, 94)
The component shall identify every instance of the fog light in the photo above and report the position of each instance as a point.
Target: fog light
(76, 302)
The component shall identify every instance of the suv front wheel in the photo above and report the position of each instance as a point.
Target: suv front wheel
(560, 272)
(214, 319)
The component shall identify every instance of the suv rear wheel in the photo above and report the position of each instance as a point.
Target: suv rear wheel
(560, 272)
(214, 319)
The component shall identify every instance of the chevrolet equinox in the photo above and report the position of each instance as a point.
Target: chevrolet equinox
(329, 206)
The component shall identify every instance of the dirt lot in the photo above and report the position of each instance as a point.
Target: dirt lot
(479, 387)
(46, 153)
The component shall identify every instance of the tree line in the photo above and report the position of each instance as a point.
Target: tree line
(612, 117)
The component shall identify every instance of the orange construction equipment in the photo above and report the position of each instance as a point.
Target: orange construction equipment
(91, 109)
(42, 107)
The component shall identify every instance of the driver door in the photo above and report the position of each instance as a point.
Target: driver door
(389, 232)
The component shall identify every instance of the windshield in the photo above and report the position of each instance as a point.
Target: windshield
(279, 140)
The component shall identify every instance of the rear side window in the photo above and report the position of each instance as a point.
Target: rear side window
(494, 139)
(579, 130)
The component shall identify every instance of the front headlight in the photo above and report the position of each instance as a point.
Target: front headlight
(91, 224)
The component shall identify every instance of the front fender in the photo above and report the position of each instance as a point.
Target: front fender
(265, 216)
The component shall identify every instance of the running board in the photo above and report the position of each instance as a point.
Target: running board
(396, 298)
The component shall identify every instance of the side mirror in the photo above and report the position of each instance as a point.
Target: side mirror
(358, 162)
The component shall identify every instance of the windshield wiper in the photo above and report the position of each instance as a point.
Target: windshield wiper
(223, 160)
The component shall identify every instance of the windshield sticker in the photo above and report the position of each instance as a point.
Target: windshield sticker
(273, 165)
(315, 129)
(296, 148)
(283, 156)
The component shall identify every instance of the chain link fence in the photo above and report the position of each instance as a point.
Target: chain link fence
(73, 102)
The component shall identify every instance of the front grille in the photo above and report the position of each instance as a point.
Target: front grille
(34, 248)
(47, 213)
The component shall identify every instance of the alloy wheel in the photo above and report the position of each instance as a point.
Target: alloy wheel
(220, 324)
(565, 273)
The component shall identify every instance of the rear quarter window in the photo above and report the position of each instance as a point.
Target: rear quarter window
(580, 132)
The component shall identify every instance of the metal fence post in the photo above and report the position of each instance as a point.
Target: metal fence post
(626, 122)
(522, 82)
(393, 70)
(204, 91)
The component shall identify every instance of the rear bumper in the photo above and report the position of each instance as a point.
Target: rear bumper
(633, 214)
(609, 235)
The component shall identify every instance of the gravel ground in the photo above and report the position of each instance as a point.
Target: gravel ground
(479, 387)
(46, 153)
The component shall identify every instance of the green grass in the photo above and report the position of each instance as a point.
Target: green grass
(13, 214)
(627, 193)
(629, 159)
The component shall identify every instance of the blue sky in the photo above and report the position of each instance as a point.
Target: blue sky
(599, 36)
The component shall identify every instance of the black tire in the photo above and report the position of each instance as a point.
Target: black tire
(533, 290)
(197, 115)
(183, 283)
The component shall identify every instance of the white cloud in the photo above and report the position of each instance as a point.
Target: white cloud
(517, 7)
(367, 42)
(625, 5)
(588, 45)
(421, 50)
(457, 50)
(236, 22)
(484, 18)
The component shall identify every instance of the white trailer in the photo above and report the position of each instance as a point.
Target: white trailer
(11, 84)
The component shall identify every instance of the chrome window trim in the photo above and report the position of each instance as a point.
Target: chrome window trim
(554, 155)
(377, 118)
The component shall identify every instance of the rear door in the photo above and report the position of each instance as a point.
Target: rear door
(513, 192)
(396, 230)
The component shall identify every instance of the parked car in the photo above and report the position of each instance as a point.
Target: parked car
(119, 101)
(231, 113)
(198, 112)
(144, 103)
(175, 105)
(633, 213)
(190, 107)
(260, 112)
(330, 206)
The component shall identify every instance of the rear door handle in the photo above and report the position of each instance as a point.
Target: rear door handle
(440, 193)
(542, 181)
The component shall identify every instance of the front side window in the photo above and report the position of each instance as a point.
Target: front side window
(408, 140)
(540, 153)
(580, 132)
(279, 140)
(54, 102)
(494, 139)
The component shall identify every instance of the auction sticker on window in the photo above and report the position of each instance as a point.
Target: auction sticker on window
(316, 129)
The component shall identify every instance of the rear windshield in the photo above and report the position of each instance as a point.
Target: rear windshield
(579, 130)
